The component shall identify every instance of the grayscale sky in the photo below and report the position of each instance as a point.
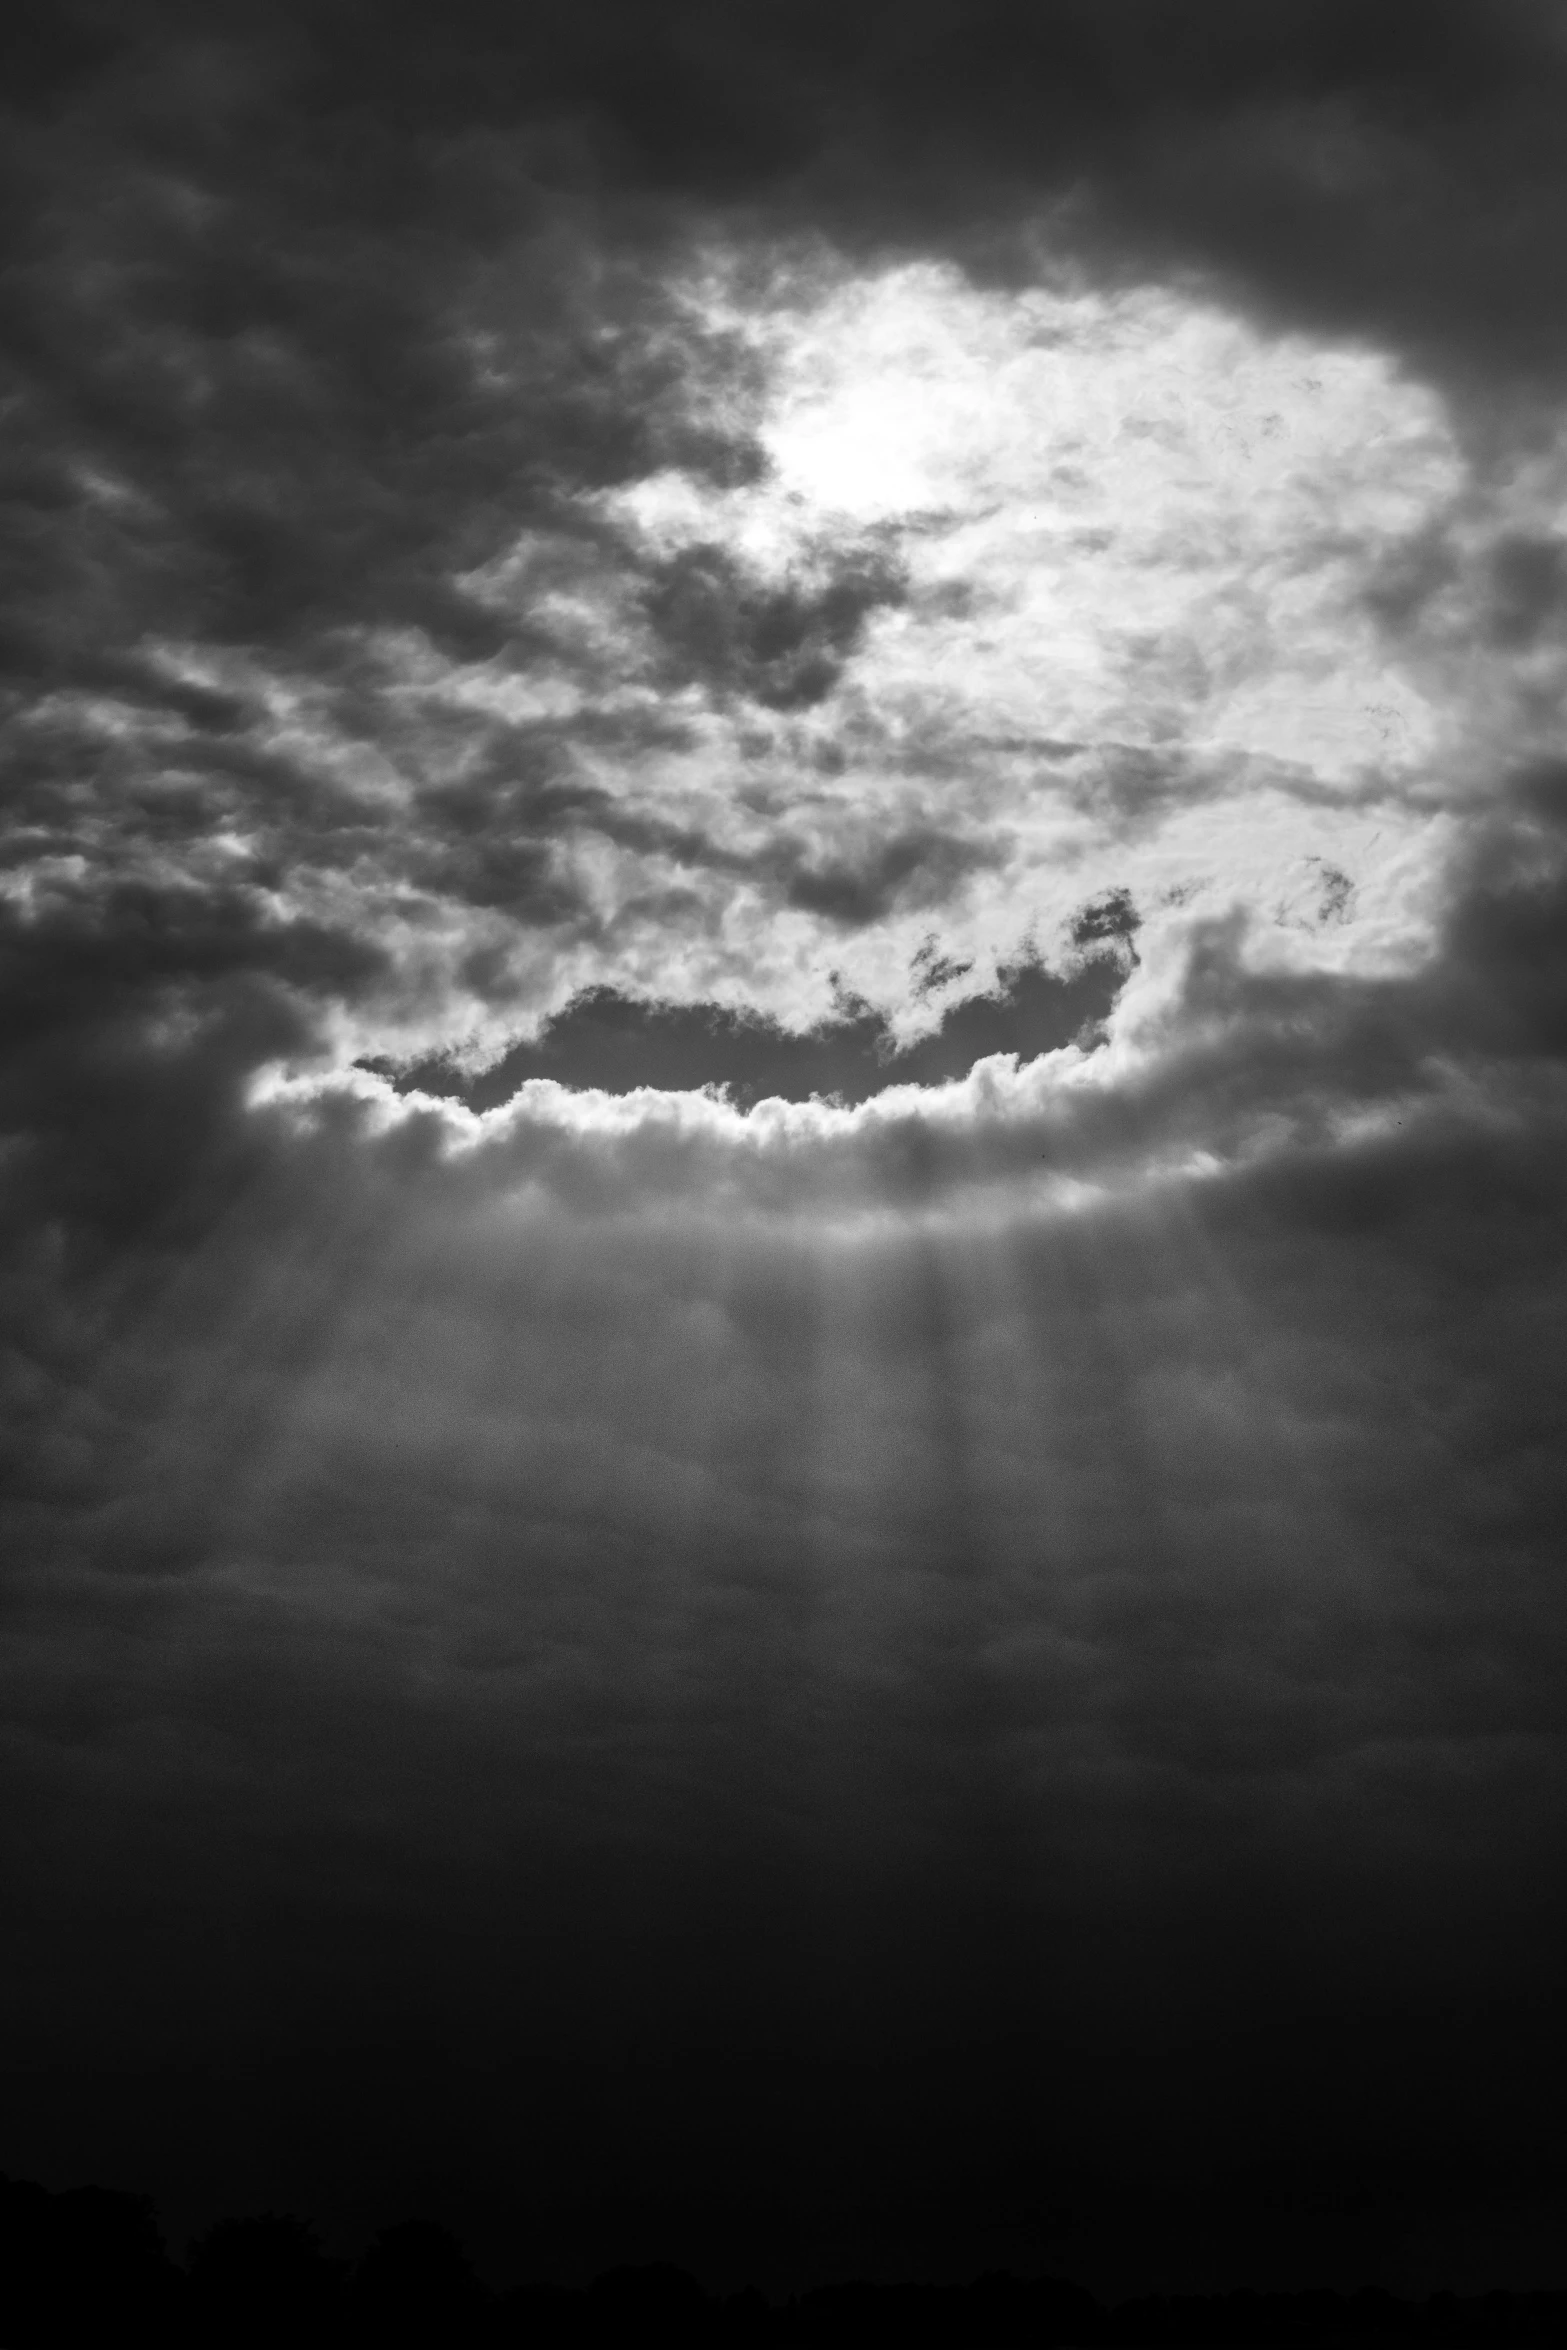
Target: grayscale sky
(783, 986)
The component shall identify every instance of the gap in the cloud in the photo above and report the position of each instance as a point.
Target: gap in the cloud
(616, 1043)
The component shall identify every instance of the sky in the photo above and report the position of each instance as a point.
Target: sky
(783, 990)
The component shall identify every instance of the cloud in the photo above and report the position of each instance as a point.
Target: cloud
(1385, 169)
(610, 1043)
(434, 547)
(785, 644)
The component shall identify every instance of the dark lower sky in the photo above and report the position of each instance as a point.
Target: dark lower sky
(783, 982)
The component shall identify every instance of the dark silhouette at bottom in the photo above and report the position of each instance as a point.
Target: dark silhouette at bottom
(89, 2267)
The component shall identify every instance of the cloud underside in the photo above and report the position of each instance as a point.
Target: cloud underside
(610, 1043)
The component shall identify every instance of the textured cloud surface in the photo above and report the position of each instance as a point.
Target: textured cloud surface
(782, 906)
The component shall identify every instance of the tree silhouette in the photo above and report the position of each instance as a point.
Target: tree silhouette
(84, 2267)
(415, 2283)
(264, 2279)
(654, 2303)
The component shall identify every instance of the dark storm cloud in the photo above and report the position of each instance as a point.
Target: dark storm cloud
(785, 645)
(284, 375)
(1388, 166)
(131, 1018)
(921, 867)
(267, 352)
(486, 839)
(613, 1043)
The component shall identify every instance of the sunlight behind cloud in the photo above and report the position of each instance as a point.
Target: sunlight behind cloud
(1136, 640)
(1036, 596)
